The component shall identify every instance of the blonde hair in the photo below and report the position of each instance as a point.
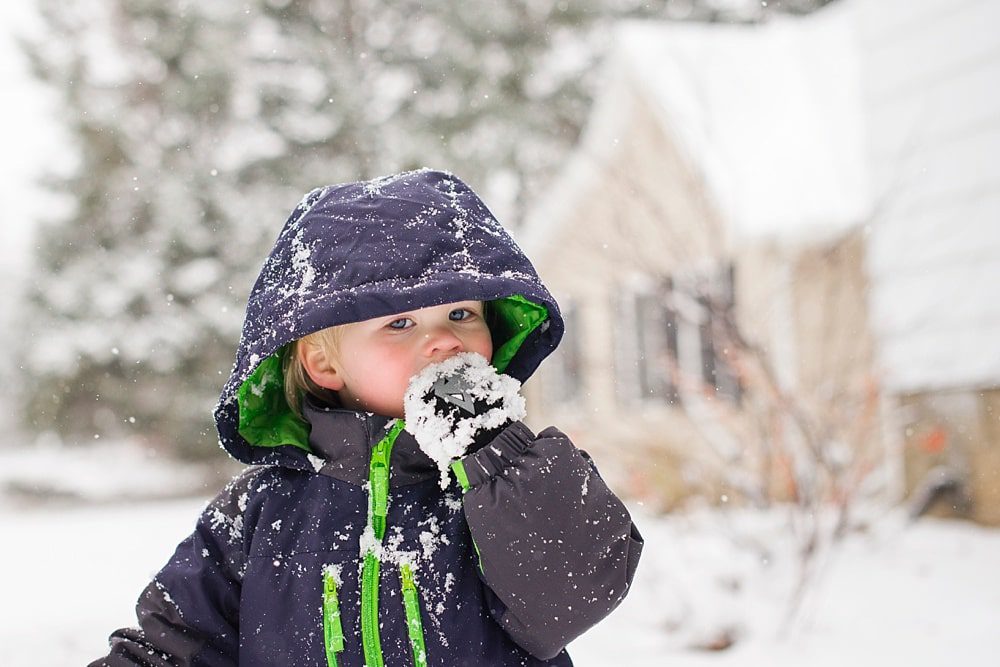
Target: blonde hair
(297, 380)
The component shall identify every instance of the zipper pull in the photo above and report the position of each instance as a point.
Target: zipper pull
(333, 630)
(380, 489)
(411, 606)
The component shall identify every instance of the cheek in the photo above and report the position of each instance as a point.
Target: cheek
(483, 345)
(394, 365)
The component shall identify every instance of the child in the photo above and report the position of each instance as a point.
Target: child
(338, 545)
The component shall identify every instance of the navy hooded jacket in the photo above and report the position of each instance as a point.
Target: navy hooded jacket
(506, 568)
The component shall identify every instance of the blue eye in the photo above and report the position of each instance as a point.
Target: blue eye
(401, 322)
(461, 313)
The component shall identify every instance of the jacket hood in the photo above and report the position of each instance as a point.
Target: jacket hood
(368, 249)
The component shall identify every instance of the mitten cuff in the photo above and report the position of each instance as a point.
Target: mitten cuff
(493, 459)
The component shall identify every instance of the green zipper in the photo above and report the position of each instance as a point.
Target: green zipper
(370, 639)
(458, 468)
(414, 626)
(378, 505)
(333, 631)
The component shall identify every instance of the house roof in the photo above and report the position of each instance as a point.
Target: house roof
(769, 114)
(933, 108)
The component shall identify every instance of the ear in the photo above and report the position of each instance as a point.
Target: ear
(320, 367)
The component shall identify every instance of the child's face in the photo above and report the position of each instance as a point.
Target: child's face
(376, 358)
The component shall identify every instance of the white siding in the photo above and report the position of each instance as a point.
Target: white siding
(932, 99)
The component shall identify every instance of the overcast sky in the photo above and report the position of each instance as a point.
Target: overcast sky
(27, 137)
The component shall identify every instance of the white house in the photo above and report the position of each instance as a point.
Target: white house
(931, 94)
(859, 231)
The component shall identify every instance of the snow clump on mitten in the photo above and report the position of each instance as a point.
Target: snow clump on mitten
(448, 404)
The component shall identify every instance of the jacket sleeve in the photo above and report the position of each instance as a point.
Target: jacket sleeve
(556, 547)
(189, 614)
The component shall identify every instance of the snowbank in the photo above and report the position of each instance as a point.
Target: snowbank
(915, 594)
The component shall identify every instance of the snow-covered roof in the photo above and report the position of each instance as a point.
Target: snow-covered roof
(933, 109)
(770, 114)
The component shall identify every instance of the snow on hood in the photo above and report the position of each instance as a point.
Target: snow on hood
(356, 251)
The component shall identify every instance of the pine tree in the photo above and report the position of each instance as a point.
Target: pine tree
(133, 307)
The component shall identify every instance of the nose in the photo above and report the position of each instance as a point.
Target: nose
(442, 343)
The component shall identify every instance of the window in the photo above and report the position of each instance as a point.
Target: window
(675, 330)
(565, 366)
(707, 299)
(646, 345)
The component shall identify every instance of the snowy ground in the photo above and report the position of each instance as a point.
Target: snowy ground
(926, 593)
(920, 594)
